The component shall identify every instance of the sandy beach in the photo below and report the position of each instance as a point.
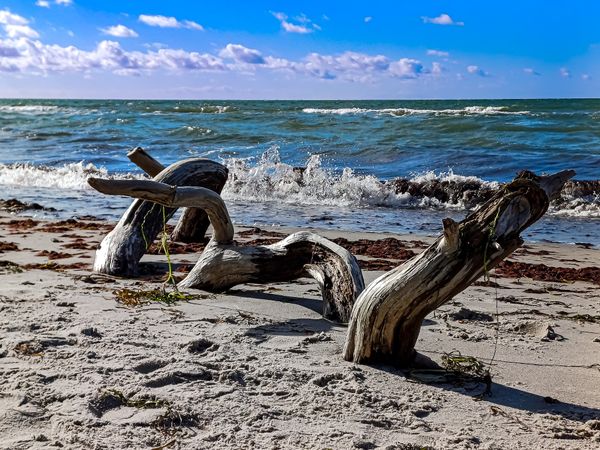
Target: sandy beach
(258, 366)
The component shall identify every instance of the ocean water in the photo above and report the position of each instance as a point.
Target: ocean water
(352, 154)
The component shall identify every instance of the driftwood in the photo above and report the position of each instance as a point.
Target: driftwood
(121, 250)
(387, 316)
(193, 223)
(224, 264)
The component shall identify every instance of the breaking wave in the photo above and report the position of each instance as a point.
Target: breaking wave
(466, 111)
(268, 179)
(29, 109)
(68, 176)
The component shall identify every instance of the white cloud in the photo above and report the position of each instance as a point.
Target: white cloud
(436, 68)
(31, 56)
(8, 18)
(368, 19)
(348, 65)
(564, 72)
(39, 58)
(438, 53)
(190, 24)
(530, 71)
(168, 22)
(406, 68)
(46, 3)
(442, 19)
(8, 51)
(290, 27)
(242, 54)
(16, 26)
(119, 31)
(14, 31)
(586, 77)
(476, 70)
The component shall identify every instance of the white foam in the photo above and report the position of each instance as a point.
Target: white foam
(588, 208)
(207, 109)
(29, 109)
(267, 179)
(272, 180)
(339, 111)
(468, 110)
(68, 176)
(450, 176)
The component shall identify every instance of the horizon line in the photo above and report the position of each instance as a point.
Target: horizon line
(299, 100)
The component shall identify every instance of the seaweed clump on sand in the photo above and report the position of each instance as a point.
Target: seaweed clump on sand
(133, 298)
(7, 267)
(8, 247)
(542, 272)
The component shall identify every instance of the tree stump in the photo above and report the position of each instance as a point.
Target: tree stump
(387, 316)
(121, 250)
(193, 223)
(223, 264)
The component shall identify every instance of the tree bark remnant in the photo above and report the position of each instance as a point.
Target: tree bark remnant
(387, 316)
(121, 250)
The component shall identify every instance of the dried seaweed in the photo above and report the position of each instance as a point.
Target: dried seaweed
(133, 298)
(464, 365)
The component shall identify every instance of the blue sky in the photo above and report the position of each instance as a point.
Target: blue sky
(299, 50)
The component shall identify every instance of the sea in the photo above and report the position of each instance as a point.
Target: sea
(378, 166)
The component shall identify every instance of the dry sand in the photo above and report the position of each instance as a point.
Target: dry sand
(258, 367)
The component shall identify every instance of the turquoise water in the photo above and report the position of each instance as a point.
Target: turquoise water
(347, 148)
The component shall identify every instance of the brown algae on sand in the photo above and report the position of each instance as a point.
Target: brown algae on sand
(133, 298)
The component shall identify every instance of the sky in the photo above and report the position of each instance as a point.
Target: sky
(426, 49)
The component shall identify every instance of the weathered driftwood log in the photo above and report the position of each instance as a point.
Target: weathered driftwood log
(387, 316)
(223, 264)
(193, 223)
(121, 250)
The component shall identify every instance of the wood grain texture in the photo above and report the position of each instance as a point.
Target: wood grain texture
(121, 250)
(387, 316)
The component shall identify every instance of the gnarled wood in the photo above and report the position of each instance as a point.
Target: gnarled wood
(121, 250)
(387, 316)
(173, 197)
(193, 223)
(336, 270)
(224, 264)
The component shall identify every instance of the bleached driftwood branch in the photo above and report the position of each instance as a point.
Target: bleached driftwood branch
(121, 250)
(224, 264)
(387, 316)
(193, 223)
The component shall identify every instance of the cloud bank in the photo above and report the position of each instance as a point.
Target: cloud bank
(21, 51)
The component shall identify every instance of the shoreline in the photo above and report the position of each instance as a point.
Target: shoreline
(257, 366)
